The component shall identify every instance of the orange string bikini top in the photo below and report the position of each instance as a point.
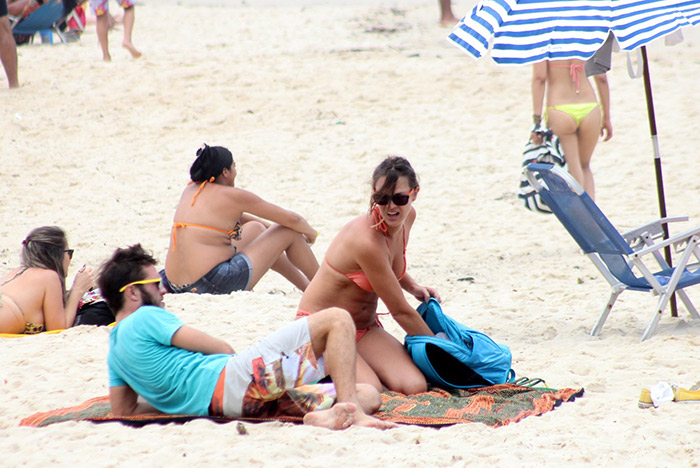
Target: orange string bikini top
(234, 234)
(574, 70)
(359, 277)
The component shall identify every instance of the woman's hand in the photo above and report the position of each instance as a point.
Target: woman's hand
(536, 137)
(310, 236)
(83, 281)
(606, 130)
(424, 293)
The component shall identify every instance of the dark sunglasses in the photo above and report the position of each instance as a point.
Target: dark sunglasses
(70, 253)
(399, 199)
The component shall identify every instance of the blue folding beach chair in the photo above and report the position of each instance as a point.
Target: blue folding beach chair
(45, 18)
(617, 255)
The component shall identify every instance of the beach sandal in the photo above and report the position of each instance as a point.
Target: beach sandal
(528, 382)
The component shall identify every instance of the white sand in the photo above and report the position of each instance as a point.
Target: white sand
(309, 99)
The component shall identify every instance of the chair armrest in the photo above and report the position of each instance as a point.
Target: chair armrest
(677, 239)
(653, 228)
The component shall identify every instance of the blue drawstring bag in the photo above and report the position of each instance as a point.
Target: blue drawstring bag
(468, 359)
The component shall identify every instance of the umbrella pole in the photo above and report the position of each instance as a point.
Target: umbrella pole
(657, 166)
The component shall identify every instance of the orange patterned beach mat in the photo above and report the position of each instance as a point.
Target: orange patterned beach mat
(495, 406)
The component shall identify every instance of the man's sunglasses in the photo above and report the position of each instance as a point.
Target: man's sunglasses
(399, 199)
(146, 281)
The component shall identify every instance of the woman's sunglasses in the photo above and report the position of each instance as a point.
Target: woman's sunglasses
(399, 199)
(70, 253)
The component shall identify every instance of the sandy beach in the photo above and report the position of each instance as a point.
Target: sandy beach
(310, 96)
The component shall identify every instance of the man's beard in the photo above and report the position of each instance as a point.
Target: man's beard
(147, 298)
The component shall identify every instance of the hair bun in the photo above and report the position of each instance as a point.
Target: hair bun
(203, 150)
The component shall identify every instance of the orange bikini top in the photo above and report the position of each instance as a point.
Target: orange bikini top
(359, 277)
(234, 234)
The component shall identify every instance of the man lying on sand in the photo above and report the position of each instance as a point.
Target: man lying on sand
(177, 369)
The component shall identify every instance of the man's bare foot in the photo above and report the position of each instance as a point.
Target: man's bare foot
(340, 416)
(365, 420)
(107, 58)
(130, 47)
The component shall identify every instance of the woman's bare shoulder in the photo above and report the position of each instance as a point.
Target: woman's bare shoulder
(360, 234)
(41, 274)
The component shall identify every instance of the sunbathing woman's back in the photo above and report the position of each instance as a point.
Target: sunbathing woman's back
(32, 295)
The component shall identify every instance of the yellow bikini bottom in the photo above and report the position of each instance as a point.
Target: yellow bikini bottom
(577, 111)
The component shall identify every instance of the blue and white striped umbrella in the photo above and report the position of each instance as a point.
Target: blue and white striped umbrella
(528, 31)
(521, 32)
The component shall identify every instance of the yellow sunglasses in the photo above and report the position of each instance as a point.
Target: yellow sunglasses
(146, 281)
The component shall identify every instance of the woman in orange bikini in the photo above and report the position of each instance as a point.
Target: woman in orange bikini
(33, 296)
(573, 113)
(366, 262)
(220, 241)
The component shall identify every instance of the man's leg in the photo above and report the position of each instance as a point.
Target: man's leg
(333, 336)
(8, 51)
(129, 17)
(102, 35)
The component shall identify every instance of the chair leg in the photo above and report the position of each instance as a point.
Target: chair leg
(652, 325)
(60, 35)
(688, 304)
(663, 302)
(606, 311)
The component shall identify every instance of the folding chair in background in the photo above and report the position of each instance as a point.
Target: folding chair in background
(618, 255)
(45, 18)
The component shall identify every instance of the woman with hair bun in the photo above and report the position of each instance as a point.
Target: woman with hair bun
(366, 262)
(220, 241)
(33, 296)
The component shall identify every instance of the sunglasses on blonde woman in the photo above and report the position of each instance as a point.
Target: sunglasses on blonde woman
(399, 199)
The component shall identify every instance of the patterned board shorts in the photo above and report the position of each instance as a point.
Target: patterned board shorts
(275, 376)
(100, 7)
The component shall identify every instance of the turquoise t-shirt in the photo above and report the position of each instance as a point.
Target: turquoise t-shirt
(173, 380)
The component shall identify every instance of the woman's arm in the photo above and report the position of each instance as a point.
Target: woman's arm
(422, 293)
(82, 282)
(253, 204)
(58, 316)
(606, 130)
(539, 82)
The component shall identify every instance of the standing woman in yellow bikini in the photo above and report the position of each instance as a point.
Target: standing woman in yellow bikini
(366, 262)
(33, 296)
(220, 240)
(573, 113)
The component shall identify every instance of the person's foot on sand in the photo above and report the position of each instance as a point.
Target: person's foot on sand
(130, 47)
(365, 420)
(340, 416)
(107, 58)
(448, 20)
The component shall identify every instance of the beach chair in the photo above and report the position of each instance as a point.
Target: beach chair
(46, 18)
(619, 256)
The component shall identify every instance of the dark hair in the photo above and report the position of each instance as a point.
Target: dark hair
(45, 247)
(125, 266)
(210, 162)
(393, 168)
